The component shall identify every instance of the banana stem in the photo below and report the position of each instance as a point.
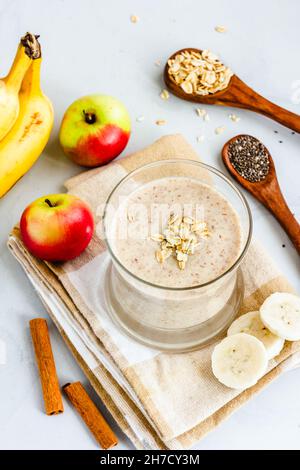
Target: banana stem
(28, 50)
(31, 45)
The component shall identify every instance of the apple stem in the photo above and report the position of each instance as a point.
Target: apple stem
(90, 118)
(47, 201)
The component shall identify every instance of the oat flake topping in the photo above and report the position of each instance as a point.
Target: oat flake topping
(180, 239)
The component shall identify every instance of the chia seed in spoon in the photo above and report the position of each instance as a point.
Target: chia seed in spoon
(249, 157)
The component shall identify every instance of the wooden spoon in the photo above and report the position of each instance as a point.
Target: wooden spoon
(238, 95)
(269, 193)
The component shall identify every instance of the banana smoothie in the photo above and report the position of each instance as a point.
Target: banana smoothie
(205, 219)
(177, 233)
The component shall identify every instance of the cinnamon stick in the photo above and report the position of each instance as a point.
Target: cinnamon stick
(90, 415)
(45, 361)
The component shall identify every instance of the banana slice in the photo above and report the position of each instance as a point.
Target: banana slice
(239, 361)
(251, 324)
(280, 312)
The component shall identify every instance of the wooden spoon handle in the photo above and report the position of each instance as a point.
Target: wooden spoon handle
(275, 202)
(244, 97)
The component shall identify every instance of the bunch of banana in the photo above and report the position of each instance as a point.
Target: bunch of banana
(26, 114)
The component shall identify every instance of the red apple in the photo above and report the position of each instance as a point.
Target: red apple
(94, 130)
(57, 227)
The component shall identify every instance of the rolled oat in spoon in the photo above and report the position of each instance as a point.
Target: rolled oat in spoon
(199, 76)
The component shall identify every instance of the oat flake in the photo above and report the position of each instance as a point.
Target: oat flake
(180, 239)
(134, 18)
(234, 118)
(221, 29)
(164, 94)
(219, 130)
(201, 112)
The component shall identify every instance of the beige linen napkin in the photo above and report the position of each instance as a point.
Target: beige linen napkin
(161, 401)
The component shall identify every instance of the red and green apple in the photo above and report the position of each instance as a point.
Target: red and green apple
(57, 227)
(94, 130)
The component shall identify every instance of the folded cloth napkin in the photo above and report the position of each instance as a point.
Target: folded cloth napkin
(160, 400)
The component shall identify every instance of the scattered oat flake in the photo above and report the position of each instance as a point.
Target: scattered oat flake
(157, 63)
(164, 94)
(134, 19)
(234, 118)
(200, 138)
(219, 130)
(206, 117)
(201, 112)
(140, 118)
(160, 122)
(221, 29)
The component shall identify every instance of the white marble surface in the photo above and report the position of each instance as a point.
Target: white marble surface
(91, 46)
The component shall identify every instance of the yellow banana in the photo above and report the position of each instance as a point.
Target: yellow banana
(21, 147)
(28, 49)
